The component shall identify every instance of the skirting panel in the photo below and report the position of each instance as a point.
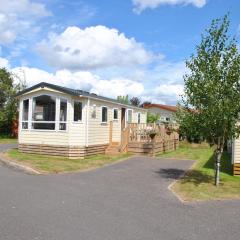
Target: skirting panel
(236, 169)
(65, 151)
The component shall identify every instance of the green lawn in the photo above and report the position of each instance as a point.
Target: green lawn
(50, 164)
(4, 139)
(198, 183)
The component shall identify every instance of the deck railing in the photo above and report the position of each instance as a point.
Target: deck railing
(141, 132)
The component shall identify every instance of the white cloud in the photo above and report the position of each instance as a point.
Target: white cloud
(162, 84)
(169, 72)
(168, 93)
(4, 63)
(118, 86)
(165, 82)
(81, 80)
(141, 5)
(92, 48)
(169, 90)
(28, 7)
(17, 17)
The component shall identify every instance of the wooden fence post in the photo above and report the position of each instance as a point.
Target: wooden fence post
(110, 132)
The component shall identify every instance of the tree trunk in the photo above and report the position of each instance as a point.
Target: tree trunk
(218, 156)
(217, 166)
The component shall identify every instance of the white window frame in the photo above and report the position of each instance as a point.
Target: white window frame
(30, 114)
(102, 114)
(138, 117)
(129, 109)
(115, 109)
(21, 114)
(58, 109)
(56, 114)
(79, 121)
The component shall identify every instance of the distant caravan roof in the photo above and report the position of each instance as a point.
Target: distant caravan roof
(74, 92)
(161, 106)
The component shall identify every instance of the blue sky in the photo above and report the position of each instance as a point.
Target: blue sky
(135, 47)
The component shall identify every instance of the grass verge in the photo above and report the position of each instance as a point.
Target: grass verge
(51, 164)
(198, 183)
(4, 139)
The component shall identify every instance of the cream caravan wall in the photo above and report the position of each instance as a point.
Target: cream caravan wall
(98, 132)
(77, 130)
(236, 151)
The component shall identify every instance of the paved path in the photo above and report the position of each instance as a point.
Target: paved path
(125, 201)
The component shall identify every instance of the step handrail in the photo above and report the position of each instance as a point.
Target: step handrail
(124, 139)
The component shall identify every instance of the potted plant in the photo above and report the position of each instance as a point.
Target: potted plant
(152, 133)
(169, 129)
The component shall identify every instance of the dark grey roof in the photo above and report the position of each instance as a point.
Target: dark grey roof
(74, 92)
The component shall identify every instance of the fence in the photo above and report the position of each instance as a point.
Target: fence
(152, 139)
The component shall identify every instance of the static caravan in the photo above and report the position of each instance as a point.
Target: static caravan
(57, 120)
(236, 156)
(166, 112)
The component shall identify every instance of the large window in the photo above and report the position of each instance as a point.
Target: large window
(44, 112)
(115, 114)
(129, 115)
(63, 114)
(77, 112)
(104, 115)
(168, 119)
(25, 114)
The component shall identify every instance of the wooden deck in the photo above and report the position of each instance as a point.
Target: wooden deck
(136, 139)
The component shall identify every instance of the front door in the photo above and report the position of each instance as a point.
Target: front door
(123, 118)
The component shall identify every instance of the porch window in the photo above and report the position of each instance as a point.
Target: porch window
(63, 114)
(139, 118)
(44, 112)
(25, 114)
(129, 115)
(77, 111)
(115, 114)
(104, 114)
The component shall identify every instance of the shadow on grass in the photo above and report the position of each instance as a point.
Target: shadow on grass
(194, 176)
(226, 165)
(197, 177)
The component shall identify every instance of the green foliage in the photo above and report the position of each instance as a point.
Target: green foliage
(212, 87)
(8, 102)
(123, 99)
(189, 127)
(152, 118)
(135, 101)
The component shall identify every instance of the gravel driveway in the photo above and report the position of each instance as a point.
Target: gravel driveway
(125, 201)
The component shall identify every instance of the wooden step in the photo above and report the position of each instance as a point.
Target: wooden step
(115, 144)
(112, 150)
